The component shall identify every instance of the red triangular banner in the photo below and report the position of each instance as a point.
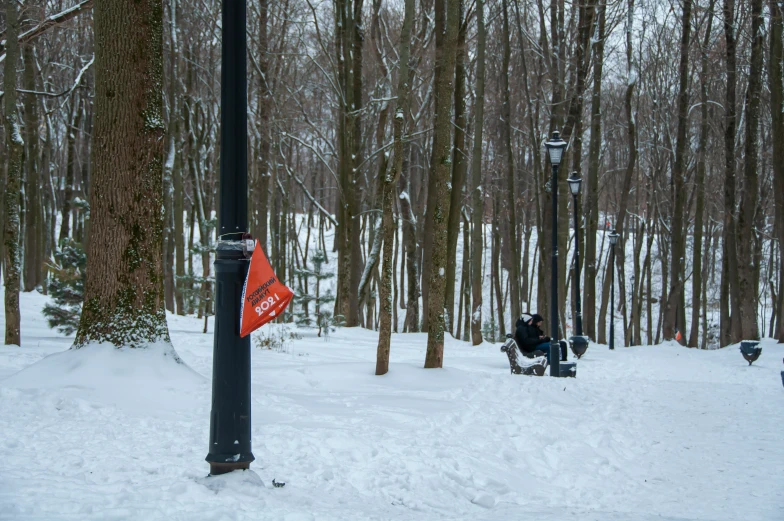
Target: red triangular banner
(264, 297)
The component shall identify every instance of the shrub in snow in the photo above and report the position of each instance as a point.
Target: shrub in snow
(277, 337)
(66, 287)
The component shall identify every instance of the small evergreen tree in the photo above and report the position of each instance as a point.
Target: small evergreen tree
(66, 287)
(490, 330)
(321, 318)
(197, 291)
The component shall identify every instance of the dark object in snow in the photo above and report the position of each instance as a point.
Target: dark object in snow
(750, 350)
(568, 369)
(536, 368)
(579, 345)
(277, 484)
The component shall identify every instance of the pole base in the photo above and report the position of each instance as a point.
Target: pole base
(216, 469)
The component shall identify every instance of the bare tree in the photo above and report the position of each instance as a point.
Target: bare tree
(477, 194)
(389, 183)
(14, 147)
(447, 25)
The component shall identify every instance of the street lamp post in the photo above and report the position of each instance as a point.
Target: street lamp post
(555, 149)
(230, 427)
(579, 342)
(613, 241)
(574, 186)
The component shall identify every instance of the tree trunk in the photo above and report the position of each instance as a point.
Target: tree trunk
(178, 112)
(465, 277)
(344, 23)
(123, 295)
(511, 193)
(168, 229)
(747, 286)
(678, 233)
(411, 323)
(477, 195)
(14, 148)
(699, 212)
(731, 330)
(446, 27)
(76, 122)
(33, 226)
(389, 180)
(265, 115)
(497, 272)
(459, 168)
(776, 85)
(354, 192)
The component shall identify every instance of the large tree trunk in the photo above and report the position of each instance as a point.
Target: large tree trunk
(459, 168)
(123, 297)
(731, 330)
(776, 85)
(511, 193)
(477, 196)
(677, 227)
(14, 148)
(447, 21)
(747, 280)
(388, 182)
(699, 212)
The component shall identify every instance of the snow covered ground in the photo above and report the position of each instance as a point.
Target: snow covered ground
(648, 433)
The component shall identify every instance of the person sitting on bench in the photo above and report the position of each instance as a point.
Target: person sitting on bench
(530, 337)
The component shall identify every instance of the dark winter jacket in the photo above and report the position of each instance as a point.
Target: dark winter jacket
(527, 335)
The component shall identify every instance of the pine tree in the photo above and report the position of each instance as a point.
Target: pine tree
(321, 317)
(66, 287)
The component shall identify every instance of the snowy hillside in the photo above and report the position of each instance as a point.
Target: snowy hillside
(653, 433)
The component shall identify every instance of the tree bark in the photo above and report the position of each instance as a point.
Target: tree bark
(447, 25)
(123, 298)
(747, 281)
(14, 148)
(731, 330)
(75, 124)
(477, 195)
(678, 233)
(699, 212)
(389, 181)
(511, 207)
(459, 168)
(33, 260)
(776, 86)
(265, 115)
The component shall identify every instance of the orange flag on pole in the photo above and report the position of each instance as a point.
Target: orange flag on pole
(264, 297)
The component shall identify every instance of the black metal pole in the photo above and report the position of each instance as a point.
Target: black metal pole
(555, 348)
(579, 318)
(612, 297)
(230, 427)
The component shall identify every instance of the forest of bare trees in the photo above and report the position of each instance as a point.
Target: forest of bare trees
(412, 132)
